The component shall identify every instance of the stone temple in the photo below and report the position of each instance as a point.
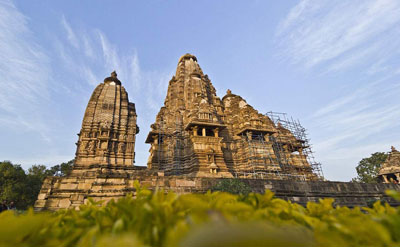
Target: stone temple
(196, 141)
(198, 134)
(109, 127)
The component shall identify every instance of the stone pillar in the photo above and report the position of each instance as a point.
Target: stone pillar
(204, 131)
(397, 176)
(216, 131)
(155, 137)
(249, 135)
(195, 130)
(385, 179)
(301, 152)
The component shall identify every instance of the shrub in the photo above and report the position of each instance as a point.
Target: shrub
(233, 186)
(211, 219)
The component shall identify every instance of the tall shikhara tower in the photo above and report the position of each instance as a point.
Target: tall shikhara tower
(103, 168)
(185, 139)
(109, 127)
(198, 134)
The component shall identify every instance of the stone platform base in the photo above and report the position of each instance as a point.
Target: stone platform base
(103, 183)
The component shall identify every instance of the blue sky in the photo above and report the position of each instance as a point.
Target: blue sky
(334, 65)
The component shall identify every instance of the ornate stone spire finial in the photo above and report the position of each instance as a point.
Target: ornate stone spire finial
(394, 149)
(228, 91)
(113, 78)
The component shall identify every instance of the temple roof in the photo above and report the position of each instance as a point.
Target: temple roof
(392, 163)
(187, 56)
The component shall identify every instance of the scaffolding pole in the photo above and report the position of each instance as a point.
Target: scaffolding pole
(300, 133)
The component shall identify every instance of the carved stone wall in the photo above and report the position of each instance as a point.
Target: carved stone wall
(105, 184)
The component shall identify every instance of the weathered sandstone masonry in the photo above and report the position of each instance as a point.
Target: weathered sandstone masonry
(108, 127)
(103, 185)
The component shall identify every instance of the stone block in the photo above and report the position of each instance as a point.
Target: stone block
(42, 196)
(84, 186)
(114, 187)
(47, 185)
(52, 202)
(268, 186)
(146, 183)
(115, 180)
(68, 186)
(40, 203)
(69, 180)
(100, 180)
(185, 183)
(64, 203)
(76, 197)
(89, 181)
(97, 187)
(296, 199)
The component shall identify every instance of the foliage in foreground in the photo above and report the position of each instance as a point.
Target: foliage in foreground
(211, 219)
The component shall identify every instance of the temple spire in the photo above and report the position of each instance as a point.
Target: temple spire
(113, 78)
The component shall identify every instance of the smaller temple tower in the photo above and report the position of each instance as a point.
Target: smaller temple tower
(103, 168)
(109, 127)
(390, 169)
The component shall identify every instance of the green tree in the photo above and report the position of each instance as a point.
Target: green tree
(233, 186)
(36, 175)
(14, 184)
(39, 171)
(61, 170)
(368, 168)
(23, 188)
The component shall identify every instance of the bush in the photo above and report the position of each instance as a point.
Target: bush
(211, 219)
(233, 186)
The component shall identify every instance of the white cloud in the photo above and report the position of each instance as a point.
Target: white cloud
(317, 32)
(356, 43)
(70, 33)
(356, 125)
(25, 73)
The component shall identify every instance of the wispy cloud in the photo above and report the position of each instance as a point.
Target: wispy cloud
(70, 33)
(42, 90)
(318, 32)
(90, 55)
(355, 125)
(24, 70)
(357, 42)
